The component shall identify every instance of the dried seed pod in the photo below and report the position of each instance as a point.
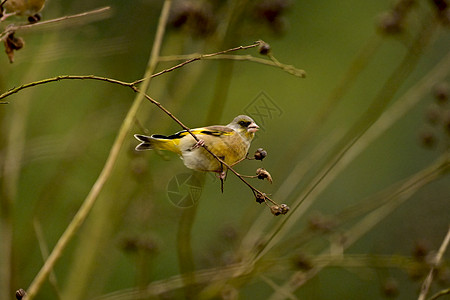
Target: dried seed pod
(275, 210)
(34, 18)
(263, 174)
(302, 262)
(260, 154)
(441, 92)
(20, 293)
(428, 139)
(390, 23)
(284, 208)
(264, 49)
(441, 5)
(260, 198)
(389, 288)
(12, 44)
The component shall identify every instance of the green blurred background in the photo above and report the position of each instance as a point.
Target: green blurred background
(55, 139)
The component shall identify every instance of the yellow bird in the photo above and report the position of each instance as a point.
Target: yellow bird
(230, 143)
(29, 8)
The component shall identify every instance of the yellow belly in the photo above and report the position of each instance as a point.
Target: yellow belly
(229, 150)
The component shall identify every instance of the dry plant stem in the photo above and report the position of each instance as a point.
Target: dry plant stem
(287, 68)
(339, 155)
(131, 85)
(200, 57)
(397, 195)
(436, 261)
(138, 90)
(104, 175)
(159, 287)
(88, 203)
(44, 252)
(13, 156)
(440, 293)
(358, 65)
(14, 28)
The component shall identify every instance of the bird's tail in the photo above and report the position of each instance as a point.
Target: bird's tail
(158, 142)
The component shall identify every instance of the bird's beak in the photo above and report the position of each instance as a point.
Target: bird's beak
(252, 127)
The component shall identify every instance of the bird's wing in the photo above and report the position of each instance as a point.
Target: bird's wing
(216, 130)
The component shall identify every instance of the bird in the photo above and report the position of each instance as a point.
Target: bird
(230, 143)
(28, 8)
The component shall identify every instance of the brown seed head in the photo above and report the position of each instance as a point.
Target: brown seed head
(260, 154)
(284, 208)
(441, 92)
(20, 293)
(428, 139)
(260, 198)
(275, 210)
(263, 174)
(264, 49)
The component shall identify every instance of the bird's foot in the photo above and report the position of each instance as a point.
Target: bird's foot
(200, 143)
(222, 176)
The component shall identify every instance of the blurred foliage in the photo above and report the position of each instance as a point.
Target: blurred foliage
(359, 150)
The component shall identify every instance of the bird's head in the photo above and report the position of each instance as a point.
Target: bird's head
(245, 126)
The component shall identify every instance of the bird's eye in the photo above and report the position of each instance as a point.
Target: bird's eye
(244, 123)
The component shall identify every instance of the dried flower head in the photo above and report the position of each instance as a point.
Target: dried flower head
(263, 174)
(12, 44)
(390, 23)
(264, 49)
(271, 12)
(428, 138)
(389, 288)
(284, 208)
(260, 198)
(34, 18)
(441, 92)
(302, 262)
(260, 154)
(275, 210)
(197, 18)
(441, 5)
(281, 209)
(20, 293)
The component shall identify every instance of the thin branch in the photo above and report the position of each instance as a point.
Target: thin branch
(437, 260)
(254, 190)
(91, 198)
(59, 78)
(13, 28)
(440, 293)
(44, 253)
(133, 84)
(199, 57)
(287, 68)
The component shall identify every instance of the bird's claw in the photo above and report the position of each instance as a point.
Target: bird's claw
(200, 143)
